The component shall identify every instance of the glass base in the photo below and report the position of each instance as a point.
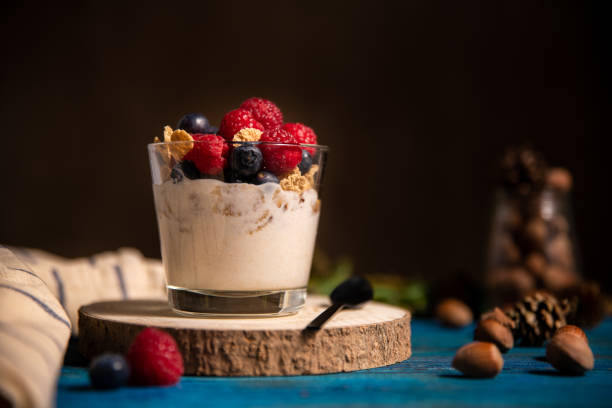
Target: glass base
(220, 303)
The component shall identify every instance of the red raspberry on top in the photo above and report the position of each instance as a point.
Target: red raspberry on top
(264, 111)
(302, 133)
(235, 120)
(154, 358)
(279, 159)
(209, 154)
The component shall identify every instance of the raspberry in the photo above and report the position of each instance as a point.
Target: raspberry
(279, 159)
(264, 111)
(155, 358)
(209, 154)
(235, 120)
(302, 133)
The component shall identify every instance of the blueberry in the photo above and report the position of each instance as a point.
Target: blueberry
(232, 177)
(246, 161)
(265, 177)
(176, 175)
(193, 123)
(184, 168)
(306, 162)
(109, 371)
(213, 130)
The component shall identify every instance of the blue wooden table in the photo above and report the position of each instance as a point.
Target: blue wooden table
(425, 379)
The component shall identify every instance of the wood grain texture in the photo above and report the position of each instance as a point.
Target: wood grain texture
(372, 336)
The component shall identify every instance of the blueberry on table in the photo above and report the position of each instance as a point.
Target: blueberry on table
(246, 160)
(265, 177)
(193, 123)
(306, 162)
(109, 371)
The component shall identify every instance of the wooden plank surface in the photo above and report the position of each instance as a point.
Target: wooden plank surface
(426, 379)
(373, 335)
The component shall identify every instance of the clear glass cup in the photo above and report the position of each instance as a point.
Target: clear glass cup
(230, 246)
(531, 245)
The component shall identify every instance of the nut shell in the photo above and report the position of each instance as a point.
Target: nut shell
(574, 330)
(479, 360)
(500, 316)
(491, 330)
(570, 354)
(557, 278)
(559, 179)
(454, 313)
(536, 263)
(510, 284)
(536, 233)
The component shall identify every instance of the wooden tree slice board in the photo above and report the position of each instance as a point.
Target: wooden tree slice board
(371, 336)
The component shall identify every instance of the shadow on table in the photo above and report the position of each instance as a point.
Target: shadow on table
(81, 387)
(552, 373)
(459, 377)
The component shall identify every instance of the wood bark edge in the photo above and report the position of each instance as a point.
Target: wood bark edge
(263, 352)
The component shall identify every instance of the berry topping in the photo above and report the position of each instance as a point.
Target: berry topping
(194, 123)
(184, 168)
(109, 371)
(302, 133)
(231, 176)
(247, 135)
(265, 177)
(236, 120)
(279, 159)
(264, 111)
(212, 129)
(246, 160)
(155, 358)
(306, 162)
(208, 154)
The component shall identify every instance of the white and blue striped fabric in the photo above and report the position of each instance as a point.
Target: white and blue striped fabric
(40, 295)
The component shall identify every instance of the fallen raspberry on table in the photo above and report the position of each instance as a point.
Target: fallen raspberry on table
(154, 358)
(209, 154)
(279, 159)
(264, 111)
(302, 133)
(236, 120)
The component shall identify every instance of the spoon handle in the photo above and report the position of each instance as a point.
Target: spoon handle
(320, 320)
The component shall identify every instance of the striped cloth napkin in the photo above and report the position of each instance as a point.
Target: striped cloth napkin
(40, 295)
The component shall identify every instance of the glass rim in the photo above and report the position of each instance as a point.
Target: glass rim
(301, 145)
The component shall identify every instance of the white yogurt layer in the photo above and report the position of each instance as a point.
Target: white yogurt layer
(235, 237)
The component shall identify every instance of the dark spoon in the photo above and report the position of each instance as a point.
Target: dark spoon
(351, 292)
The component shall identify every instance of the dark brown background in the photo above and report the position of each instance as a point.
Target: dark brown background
(417, 101)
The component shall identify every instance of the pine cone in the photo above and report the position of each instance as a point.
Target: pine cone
(537, 317)
(523, 170)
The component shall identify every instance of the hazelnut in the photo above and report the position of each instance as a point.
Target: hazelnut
(511, 284)
(559, 225)
(490, 330)
(500, 316)
(454, 313)
(509, 252)
(478, 359)
(570, 354)
(571, 329)
(559, 251)
(559, 179)
(556, 278)
(536, 263)
(536, 233)
(510, 218)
